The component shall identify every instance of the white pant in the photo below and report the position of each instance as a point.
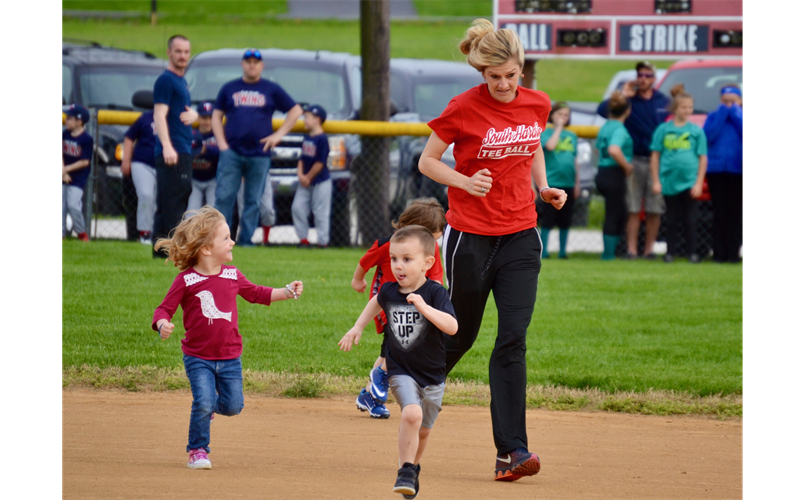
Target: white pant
(267, 215)
(144, 177)
(317, 198)
(71, 203)
(203, 194)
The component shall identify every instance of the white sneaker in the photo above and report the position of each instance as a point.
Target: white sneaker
(198, 459)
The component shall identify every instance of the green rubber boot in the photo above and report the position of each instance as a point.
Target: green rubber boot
(610, 244)
(563, 243)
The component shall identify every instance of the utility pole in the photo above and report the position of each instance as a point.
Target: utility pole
(153, 12)
(371, 169)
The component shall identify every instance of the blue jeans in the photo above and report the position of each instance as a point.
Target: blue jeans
(254, 170)
(217, 387)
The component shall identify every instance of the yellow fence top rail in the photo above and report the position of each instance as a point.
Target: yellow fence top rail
(358, 127)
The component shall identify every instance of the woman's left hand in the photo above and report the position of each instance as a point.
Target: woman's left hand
(556, 197)
(696, 190)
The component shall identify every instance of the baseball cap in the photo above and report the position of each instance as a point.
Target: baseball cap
(317, 111)
(79, 112)
(204, 108)
(647, 65)
(253, 53)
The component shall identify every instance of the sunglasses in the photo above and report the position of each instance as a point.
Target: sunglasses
(253, 53)
(645, 75)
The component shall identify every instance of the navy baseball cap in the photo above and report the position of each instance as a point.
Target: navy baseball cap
(204, 108)
(79, 112)
(317, 111)
(253, 53)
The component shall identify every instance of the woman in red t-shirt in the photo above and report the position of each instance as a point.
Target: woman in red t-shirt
(491, 242)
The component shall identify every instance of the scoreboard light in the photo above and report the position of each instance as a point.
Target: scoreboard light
(595, 37)
(727, 39)
(562, 6)
(672, 6)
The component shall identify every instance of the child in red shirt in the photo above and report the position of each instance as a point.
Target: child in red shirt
(207, 290)
(425, 212)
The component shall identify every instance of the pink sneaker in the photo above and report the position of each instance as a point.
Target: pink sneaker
(198, 459)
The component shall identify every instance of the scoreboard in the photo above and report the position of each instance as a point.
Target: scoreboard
(624, 29)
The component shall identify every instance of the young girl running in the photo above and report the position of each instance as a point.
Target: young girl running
(207, 291)
(616, 147)
(425, 212)
(678, 166)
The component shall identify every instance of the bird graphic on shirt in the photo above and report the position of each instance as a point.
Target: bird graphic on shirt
(208, 308)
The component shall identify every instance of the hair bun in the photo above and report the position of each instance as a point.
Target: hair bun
(479, 29)
(677, 89)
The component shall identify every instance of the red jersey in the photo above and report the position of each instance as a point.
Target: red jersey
(503, 138)
(210, 310)
(378, 257)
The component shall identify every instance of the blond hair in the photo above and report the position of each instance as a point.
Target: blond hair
(484, 46)
(416, 232)
(193, 233)
(678, 93)
(423, 212)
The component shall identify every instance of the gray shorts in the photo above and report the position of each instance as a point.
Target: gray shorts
(406, 391)
(638, 186)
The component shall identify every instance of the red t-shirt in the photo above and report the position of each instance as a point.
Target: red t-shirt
(210, 310)
(378, 257)
(503, 138)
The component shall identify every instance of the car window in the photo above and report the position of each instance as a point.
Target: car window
(397, 92)
(67, 84)
(704, 84)
(430, 99)
(112, 87)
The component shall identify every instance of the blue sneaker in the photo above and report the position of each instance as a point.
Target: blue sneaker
(380, 384)
(375, 408)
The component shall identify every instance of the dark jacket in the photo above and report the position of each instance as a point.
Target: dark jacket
(724, 130)
(646, 115)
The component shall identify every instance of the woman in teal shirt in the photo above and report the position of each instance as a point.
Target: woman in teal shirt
(560, 147)
(616, 149)
(678, 165)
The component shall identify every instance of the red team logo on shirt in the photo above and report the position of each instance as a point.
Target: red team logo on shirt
(309, 148)
(249, 98)
(72, 148)
(521, 141)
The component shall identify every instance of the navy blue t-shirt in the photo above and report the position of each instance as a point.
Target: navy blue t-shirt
(73, 150)
(315, 149)
(204, 165)
(647, 115)
(249, 108)
(171, 89)
(142, 132)
(415, 346)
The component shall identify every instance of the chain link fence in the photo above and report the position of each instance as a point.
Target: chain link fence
(374, 178)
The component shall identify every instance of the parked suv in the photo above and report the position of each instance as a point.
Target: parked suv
(101, 77)
(329, 79)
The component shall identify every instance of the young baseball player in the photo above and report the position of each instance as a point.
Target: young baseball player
(425, 212)
(315, 190)
(205, 160)
(207, 290)
(76, 155)
(419, 313)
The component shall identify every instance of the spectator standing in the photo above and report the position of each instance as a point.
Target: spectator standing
(724, 130)
(616, 149)
(248, 104)
(649, 110)
(173, 119)
(678, 166)
(76, 155)
(138, 162)
(560, 147)
(205, 160)
(315, 189)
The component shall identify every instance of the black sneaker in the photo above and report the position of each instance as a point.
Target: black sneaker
(406, 480)
(668, 258)
(694, 258)
(416, 484)
(650, 256)
(629, 256)
(516, 464)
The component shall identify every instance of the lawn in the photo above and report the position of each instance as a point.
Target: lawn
(615, 326)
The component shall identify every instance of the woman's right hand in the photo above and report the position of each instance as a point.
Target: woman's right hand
(359, 285)
(628, 169)
(480, 183)
(656, 188)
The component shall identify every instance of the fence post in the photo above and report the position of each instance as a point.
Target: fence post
(89, 189)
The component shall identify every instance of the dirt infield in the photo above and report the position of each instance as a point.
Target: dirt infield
(131, 445)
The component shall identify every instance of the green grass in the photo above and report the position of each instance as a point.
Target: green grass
(628, 327)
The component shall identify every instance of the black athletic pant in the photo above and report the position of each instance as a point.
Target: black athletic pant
(549, 217)
(611, 183)
(680, 209)
(173, 191)
(726, 191)
(508, 266)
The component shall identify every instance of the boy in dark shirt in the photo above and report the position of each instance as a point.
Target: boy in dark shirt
(315, 190)
(418, 311)
(76, 154)
(204, 149)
